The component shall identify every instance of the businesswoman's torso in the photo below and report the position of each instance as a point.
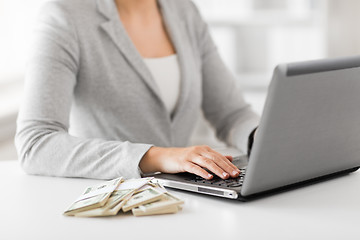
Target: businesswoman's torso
(92, 107)
(115, 94)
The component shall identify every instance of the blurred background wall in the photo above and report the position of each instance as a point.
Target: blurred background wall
(252, 37)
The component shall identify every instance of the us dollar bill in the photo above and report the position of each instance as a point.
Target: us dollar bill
(117, 199)
(137, 212)
(146, 196)
(93, 197)
(168, 204)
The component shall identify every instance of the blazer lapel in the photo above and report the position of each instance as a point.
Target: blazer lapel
(115, 29)
(175, 29)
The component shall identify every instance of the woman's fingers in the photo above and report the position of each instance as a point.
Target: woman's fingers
(195, 169)
(211, 166)
(223, 163)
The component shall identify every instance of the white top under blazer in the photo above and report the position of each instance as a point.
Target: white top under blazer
(166, 73)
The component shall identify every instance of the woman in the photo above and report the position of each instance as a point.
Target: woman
(114, 88)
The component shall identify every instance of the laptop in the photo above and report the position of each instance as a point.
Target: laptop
(309, 132)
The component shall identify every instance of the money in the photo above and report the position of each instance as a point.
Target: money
(146, 196)
(112, 206)
(137, 212)
(143, 197)
(117, 199)
(93, 197)
(168, 204)
(134, 183)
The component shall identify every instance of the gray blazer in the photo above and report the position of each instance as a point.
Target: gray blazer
(91, 107)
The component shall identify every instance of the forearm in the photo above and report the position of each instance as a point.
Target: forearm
(47, 149)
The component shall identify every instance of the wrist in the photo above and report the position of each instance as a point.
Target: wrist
(150, 161)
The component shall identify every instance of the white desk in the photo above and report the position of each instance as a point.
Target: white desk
(31, 208)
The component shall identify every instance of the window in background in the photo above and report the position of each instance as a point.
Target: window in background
(253, 36)
(16, 23)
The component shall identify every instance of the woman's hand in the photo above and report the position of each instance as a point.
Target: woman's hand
(190, 159)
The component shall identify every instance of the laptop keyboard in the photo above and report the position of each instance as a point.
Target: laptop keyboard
(217, 181)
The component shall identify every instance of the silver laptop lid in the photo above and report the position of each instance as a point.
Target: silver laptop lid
(310, 126)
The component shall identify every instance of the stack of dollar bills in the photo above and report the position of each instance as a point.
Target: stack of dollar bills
(142, 196)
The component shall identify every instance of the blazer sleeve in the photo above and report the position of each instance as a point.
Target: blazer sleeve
(223, 103)
(42, 140)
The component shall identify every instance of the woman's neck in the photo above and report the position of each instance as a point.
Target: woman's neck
(143, 23)
(133, 8)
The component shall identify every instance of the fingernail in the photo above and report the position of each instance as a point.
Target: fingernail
(235, 172)
(225, 174)
(210, 176)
